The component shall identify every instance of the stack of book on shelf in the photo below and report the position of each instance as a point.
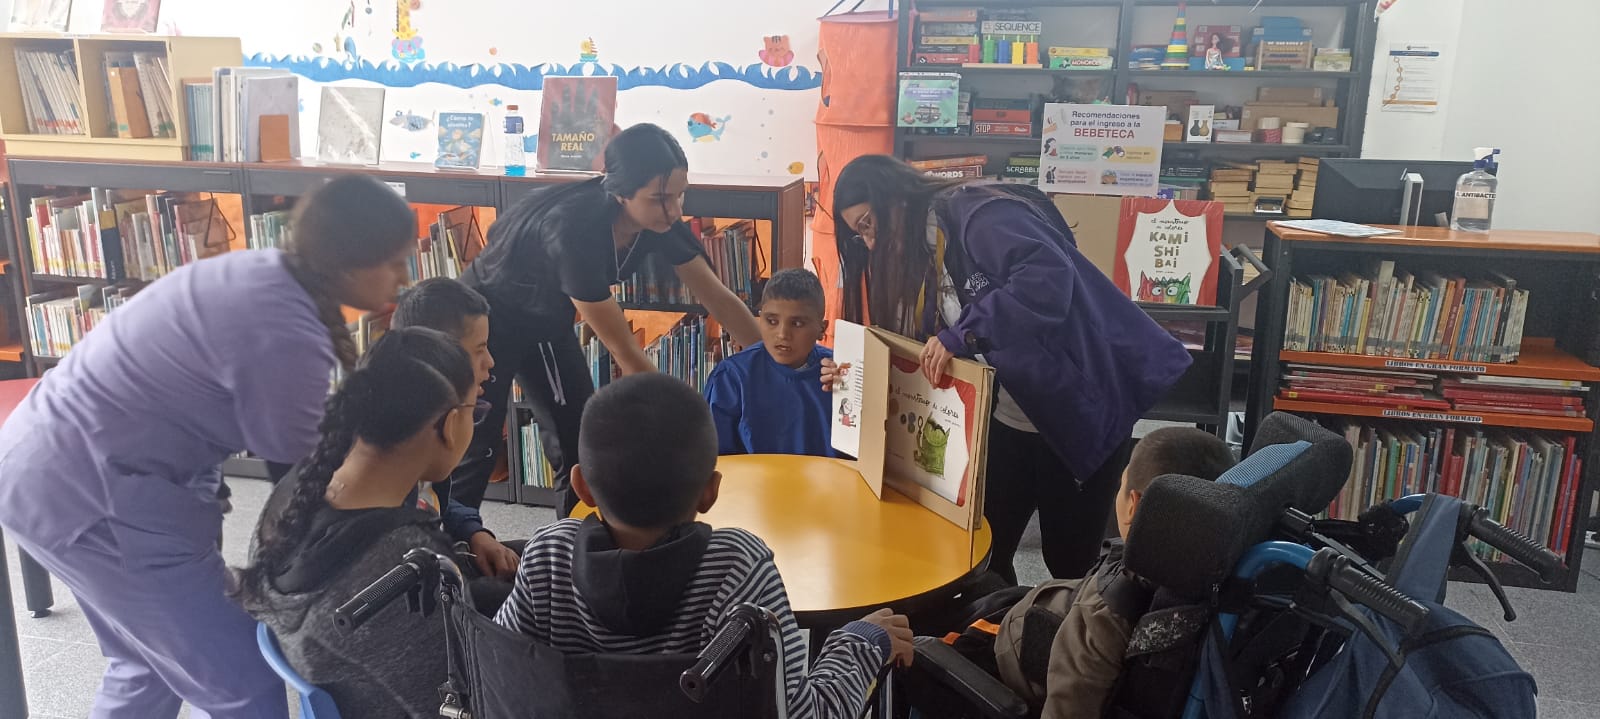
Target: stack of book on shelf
(200, 106)
(1274, 184)
(1528, 481)
(1391, 389)
(112, 235)
(1183, 178)
(536, 471)
(601, 369)
(241, 98)
(48, 82)
(57, 320)
(947, 37)
(139, 95)
(687, 351)
(654, 283)
(269, 230)
(1305, 188)
(1386, 313)
(453, 240)
(732, 249)
(960, 167)
(1230, 185)
(1516, 395)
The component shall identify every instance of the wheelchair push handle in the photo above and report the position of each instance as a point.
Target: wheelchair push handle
(389, 587)
(733, 637)
(1337, 572)
(1547, 563)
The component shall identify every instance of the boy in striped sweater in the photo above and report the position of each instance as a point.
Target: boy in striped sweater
(652, 580)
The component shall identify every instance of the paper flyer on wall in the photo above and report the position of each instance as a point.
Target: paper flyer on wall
(1101, 149)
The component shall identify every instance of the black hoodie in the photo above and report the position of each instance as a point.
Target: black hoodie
(636, 592)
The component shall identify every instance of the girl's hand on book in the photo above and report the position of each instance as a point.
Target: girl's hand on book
(935, 359)
(832, 374)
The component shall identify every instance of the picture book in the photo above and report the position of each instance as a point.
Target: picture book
(350, 125)
(460, 140)
(130, 16)
(263, 96)
(39, 15)
(576, 117)
(928, 99)
(924, 440)
(1170, 248)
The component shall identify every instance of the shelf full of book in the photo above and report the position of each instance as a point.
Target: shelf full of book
(1453, 364)
(1001, 63)
(90, 233)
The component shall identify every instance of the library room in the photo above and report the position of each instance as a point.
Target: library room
(920, 359)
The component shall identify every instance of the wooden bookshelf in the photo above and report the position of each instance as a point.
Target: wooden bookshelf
(1487, 419)
(1540, 359)
(1557, 268)
(186, 57)
(12, 352)
(776, 201)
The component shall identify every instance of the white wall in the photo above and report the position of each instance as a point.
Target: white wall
(686, 58)
(1519, 78)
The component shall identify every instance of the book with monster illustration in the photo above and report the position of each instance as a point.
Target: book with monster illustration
(576, 117)
(1167, 250)
(921, 439)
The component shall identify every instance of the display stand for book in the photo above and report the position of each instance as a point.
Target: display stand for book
(261, 187)
(1558, 269)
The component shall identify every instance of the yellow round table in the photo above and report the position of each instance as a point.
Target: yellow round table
(842, 552)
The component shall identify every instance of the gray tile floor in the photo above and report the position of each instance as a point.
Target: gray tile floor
(1556, 636)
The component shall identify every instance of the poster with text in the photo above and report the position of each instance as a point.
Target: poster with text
(1167, 250)
(1101, 149)
(849, 357)
(929, 427)
(1413, 78)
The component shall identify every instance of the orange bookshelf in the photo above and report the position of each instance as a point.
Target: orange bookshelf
(11, 352)
(1487, 419)
(1540, 359)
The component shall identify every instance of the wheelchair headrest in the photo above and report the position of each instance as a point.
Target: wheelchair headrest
(1189, 532)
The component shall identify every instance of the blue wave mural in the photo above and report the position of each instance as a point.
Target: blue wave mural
(677, 76)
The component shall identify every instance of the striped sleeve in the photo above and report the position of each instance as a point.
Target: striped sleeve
(837, 687)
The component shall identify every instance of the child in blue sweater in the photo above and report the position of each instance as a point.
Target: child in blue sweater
(769, 399)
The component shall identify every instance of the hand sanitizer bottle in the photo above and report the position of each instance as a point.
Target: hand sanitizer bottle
(516, 160)
(1475, 194)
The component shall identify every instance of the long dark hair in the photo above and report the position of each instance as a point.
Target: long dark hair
(353, 222)
(408, 379)
(640, 155)
(900, 264)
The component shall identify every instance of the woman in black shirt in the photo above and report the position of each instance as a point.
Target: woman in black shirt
(560, 249)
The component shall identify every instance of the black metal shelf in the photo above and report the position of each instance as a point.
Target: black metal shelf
(1242, 74)
(687, 309)
(1003, 70)
(1259, 148)
(992, 139)
(72, 279)
(1185, 313)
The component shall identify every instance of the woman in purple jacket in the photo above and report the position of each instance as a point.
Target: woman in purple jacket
(109, 468)
(990, 271)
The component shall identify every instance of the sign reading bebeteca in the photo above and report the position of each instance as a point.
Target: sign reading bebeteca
(1101, 149)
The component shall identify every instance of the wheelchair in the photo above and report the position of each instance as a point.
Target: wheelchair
(1265, 612)
(497, 673)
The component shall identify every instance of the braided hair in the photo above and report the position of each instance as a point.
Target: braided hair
(405, 382)
(351, 223)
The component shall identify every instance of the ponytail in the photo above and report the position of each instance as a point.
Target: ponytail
(329, 311)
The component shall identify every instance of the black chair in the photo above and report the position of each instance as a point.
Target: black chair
(1187, 537)
(496, 673)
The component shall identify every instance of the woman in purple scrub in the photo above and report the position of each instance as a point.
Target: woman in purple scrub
(109, 468)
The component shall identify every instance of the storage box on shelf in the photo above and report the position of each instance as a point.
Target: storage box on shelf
(81, 84)
(1470, 368)
(258, 190)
